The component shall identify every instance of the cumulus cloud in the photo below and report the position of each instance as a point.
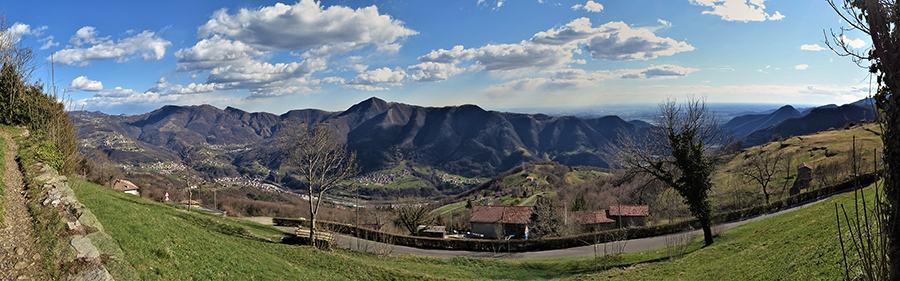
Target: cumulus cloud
(813, 47)
(258, 74)
(84, 84)
(504, 56)
(738, 10)
(18, 30)
(48, 43)
(575, 31)
(214, 52)
(632, 44)
(663, 22)
(146, 44)
(590, 6)
(358, 67)
(432, 71)
(382, 75)
(855, 43)
(661, 71)
(571, 79)
(307, 25)
(801, 66)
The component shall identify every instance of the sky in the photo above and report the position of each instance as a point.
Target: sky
(131, 57)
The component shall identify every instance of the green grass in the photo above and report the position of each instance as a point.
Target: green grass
(161, 242)
(449, 208)
(801, 245)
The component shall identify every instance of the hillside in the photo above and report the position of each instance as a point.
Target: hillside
(459, 140)
(161, 242)
(817, 120)
(743, 125)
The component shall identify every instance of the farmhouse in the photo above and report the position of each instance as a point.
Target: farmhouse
(127, 187)
(592, 221)
(628, 215)
(500, 221)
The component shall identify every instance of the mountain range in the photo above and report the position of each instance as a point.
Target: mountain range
(462, 140)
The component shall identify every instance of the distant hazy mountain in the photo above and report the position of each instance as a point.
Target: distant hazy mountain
(742, 126)
(465, 140)
(817, 120)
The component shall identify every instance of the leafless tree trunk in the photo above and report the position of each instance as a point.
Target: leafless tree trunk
(322, 161)
(762, 168)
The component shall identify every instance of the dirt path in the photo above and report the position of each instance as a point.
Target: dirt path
(18, 259)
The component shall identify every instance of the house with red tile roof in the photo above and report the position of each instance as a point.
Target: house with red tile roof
(592, 221)
(500, 221)
(628, 215)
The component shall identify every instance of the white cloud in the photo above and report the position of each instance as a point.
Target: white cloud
(48, 42)
(382, 75)
(813, 47)
(661, 71)
(590, 6)
(214, 52)
(254, 74)
(855, 43)
(364, 87)
(84, 84)
(504, 56)
(576, 31)
(146, 44)
(18, 30)
(432, 71)
(663, 22)
(358, 67)
(306, 25)
(572, 79)
(738, 10)
(632, 44)
(801, 66)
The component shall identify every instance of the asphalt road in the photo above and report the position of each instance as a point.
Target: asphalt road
(626, 246)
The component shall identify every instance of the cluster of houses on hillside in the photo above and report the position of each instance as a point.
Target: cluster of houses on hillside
(506, 221)
(379, 179)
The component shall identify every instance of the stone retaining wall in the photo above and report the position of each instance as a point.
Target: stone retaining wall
(83, 231)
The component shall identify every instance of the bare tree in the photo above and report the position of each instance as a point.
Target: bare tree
(677, 152)
(411, 216)
(762, 168)
(321, 160)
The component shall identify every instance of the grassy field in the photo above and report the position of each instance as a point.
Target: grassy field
(801, 245)
(161, 242)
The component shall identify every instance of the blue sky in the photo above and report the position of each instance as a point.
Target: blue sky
(134, 56)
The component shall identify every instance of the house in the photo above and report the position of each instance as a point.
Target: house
(127, 187)
(628, 215)
(432, 231)
(499, 221)
(592, 221)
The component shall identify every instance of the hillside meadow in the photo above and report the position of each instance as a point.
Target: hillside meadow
(162, 242)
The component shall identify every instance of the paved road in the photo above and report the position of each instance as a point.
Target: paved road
(627, 246)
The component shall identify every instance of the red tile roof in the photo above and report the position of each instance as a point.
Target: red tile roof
(629, 210)
(516, 215)
(486, 214)
(592, 217)
(501, 214)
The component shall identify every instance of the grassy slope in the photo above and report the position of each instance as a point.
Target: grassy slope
(798, 149)
(164, 243)
(801, 245)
